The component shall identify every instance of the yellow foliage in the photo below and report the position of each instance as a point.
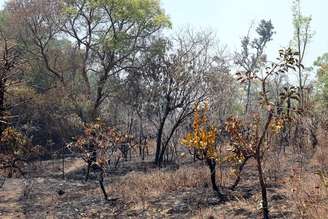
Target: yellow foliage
(277, 124)
(203, 137)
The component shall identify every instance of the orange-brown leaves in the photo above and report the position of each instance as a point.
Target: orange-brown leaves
(243, 137)
(98, 142)
(15, 146)
(13, 138)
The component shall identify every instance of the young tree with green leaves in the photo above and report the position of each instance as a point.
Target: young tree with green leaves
(252, 56)
(110, 34)
(322, 79)
(104, 36)
(302, 37)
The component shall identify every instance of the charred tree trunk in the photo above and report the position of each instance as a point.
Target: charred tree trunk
(265, 208)
(258, 157)
(2, 105)
(160, 131)
(159, 142)
(240, 169)
(88, 172)
(63, 161)
(167, 141)
(101, 183)
(212, 166)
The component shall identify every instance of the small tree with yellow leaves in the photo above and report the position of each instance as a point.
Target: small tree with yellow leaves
(203, 141)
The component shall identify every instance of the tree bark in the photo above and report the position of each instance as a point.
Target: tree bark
(212, 166)
(101, 183)
(248, 101)
(2, 105)
(163, 149)
(240, 169)
(258, 157)
(88, 172)
(159, 137)
(265, 208)
(159, 141)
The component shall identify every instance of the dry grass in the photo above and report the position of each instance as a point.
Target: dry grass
(138, 186)
(308, 195)
(320, 157)
(306, 189)
(295, 190)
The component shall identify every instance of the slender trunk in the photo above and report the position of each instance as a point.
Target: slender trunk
(301, 87)
(143, 153)
(212, 166)
(141, 138)
(94, 112)
(117, 162)
(88, 172)
(160, 130)
(159, 141)
(163, 149)
(287, 127)
(194, 155)
(2, 105)
(258, 157)
(240, 169)
(299, 67)
(314, 139)
(130, 152)
(63, 161)
(101, 183)
(265, 208)
(248, 100)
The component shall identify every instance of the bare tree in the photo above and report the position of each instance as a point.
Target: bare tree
(173, 75)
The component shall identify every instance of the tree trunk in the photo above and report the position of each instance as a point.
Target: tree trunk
(240, 169)
(212, 166)
(88, 172)
(63, 161)
(265, 208)
(101, 183)
(159, 141)
(258, 157)
(248, 101)
(2, 105)
(163, 149)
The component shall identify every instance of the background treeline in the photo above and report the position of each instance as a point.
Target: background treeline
(103, 73)
(70, 62)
